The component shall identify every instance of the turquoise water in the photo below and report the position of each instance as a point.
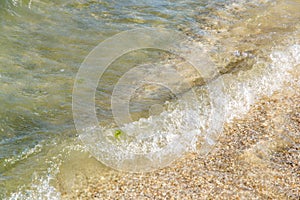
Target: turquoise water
(44, 42)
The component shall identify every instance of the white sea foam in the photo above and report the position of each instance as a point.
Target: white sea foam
(151, 141)
(42, 186)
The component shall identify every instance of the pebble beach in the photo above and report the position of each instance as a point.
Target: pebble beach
(257, 154)
(242, 119)
(256, 157)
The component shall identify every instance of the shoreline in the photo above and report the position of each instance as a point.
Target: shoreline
(253, 45)
(257, 156)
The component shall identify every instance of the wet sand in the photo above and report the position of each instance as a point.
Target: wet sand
(256, 157)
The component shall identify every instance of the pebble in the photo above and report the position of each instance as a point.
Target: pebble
(250, 161)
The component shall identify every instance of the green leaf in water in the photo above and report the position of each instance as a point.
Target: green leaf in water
(117, 134)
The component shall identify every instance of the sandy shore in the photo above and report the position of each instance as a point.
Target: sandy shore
(257, 157)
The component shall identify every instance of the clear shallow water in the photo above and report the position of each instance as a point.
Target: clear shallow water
(44, 42)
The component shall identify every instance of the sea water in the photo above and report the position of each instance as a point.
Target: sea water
(254, 44)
